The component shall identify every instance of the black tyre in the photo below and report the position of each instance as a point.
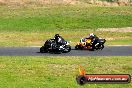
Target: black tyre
(81, 80)
(43, 50)
(68, 47)
(102, 47)
(76, 47)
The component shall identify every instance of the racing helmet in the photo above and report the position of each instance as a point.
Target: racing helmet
(57, 35)
(91, 35)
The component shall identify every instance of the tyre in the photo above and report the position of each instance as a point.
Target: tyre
(43, 50)
(68, 47)
(76, 47)
(102, 47)
(81, 80)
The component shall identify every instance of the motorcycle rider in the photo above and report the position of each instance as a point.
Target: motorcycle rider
(91, 36)
(59, 40)
(94, 39)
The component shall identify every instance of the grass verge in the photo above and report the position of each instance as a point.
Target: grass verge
(38, 38)
(59, 72)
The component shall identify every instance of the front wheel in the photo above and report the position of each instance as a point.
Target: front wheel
(76, 47)
(68, 47)
(102, 47)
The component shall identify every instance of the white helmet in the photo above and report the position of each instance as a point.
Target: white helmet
(91, 34)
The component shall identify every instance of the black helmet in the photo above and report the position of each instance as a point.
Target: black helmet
(57, 35)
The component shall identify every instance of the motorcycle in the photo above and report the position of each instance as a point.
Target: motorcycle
(88, 44)
(51, 46)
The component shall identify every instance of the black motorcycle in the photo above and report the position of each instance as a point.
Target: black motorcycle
(51, 46)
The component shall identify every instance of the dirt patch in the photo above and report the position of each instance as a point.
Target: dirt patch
(37, 2)
(2, 2)
(127, 29)
(2, 66)
(71, 2)
(105, 3)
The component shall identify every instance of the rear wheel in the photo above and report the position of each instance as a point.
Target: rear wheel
(43, 50)
(92, 48)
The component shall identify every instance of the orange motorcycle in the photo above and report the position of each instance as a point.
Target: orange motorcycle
(87, 44)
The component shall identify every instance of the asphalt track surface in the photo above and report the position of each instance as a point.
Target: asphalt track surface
(34, 51)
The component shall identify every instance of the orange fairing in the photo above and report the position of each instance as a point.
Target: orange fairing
(82, 44)
(81, 70)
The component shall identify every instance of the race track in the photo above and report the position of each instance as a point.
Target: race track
(34, 51)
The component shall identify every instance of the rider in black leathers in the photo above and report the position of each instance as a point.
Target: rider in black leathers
(94, 39)
(59, 40)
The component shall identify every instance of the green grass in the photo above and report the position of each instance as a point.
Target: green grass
(30, 25)
(59, 21)
(121, 42)
(59, 72)
(63, 17)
